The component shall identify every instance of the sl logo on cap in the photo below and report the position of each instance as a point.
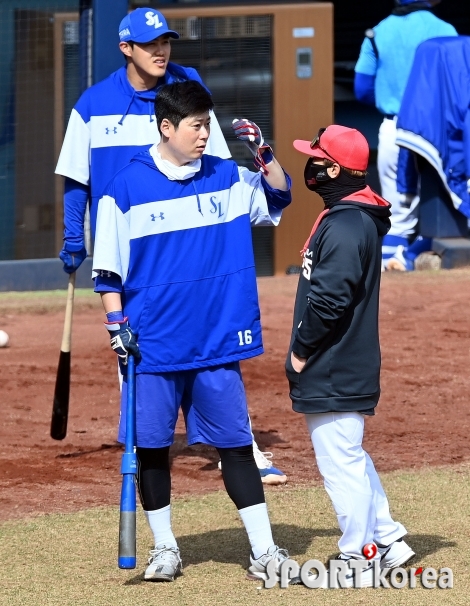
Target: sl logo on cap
(153, 19)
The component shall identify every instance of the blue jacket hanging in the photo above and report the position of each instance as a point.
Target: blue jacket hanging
(434, 119)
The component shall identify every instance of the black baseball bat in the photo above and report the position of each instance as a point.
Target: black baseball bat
(60, 407)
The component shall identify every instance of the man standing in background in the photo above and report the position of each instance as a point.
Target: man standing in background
(113, 121)
(382, 71)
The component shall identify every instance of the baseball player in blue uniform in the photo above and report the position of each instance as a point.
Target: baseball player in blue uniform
(111, 122)
(333, 363)
(175, 268)
(382, 71)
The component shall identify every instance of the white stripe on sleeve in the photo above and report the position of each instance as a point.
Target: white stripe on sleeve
(253, 192)
(74, 158)
(112, 248)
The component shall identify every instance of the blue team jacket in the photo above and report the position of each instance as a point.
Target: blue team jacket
(183, 251)
(110, 124)
(434, 119)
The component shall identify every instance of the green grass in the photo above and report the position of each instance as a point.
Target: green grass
(70, 560)
(44, 301)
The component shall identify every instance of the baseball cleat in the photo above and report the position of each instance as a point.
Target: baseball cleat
(396, 554)
(269, 474)
(257, 570)
(399, 262)
(164, 564)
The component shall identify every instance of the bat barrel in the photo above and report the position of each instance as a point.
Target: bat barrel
(60, 407)
(127, 521)
(127, 557)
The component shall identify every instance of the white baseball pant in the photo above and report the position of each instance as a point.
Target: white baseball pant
(351, 482)
(404, 219)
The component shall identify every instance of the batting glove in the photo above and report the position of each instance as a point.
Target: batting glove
(250, 133)
(72, 256)
(123, 340)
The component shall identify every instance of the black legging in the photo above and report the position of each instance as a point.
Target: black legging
(239, 471)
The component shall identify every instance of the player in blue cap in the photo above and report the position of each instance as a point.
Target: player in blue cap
(114, 120)
(382, 71)
(142, 24)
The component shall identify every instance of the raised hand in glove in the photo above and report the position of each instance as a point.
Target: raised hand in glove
(123, 340)
(250, 133)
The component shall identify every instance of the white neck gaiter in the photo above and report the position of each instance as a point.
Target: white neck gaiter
(170, 170)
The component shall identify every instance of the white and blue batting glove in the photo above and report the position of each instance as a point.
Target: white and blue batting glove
(123, 340)
(251, 135)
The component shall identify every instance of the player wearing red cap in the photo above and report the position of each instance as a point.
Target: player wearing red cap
(333, 364)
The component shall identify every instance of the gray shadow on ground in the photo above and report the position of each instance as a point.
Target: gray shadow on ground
(230, 545)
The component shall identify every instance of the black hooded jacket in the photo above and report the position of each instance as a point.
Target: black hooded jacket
(336, 310)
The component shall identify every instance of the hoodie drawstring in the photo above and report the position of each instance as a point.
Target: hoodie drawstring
(198, 200)
(150, 106)
(125, 113)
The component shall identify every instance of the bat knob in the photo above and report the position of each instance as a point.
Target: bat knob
(127, 563)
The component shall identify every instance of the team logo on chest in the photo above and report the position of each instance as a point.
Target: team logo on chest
(216, 207)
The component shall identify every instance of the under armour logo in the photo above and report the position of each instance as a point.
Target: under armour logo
(105, 274)
(114, 130)
(160, 216)
(153, 19)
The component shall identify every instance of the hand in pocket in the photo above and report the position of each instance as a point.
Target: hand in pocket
(297, 363)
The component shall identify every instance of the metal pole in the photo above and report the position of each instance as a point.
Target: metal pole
(107, 58)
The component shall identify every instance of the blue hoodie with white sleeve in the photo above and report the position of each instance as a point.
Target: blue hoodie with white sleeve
(108, 126)
(181, 247)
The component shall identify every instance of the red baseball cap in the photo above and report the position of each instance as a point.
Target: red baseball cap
(346, 146)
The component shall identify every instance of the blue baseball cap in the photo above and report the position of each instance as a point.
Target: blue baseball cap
(144, 25)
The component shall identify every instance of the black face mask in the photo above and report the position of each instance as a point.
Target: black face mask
(315, 175)
(331, 190)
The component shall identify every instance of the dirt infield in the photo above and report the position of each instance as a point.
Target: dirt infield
(423, 416)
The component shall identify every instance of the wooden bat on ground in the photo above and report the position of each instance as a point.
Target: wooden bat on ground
(127, 518)
(60, 408)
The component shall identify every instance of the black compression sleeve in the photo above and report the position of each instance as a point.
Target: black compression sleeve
(153, 477)
(241, 476)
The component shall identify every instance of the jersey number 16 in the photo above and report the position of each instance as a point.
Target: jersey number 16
(244, 337)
